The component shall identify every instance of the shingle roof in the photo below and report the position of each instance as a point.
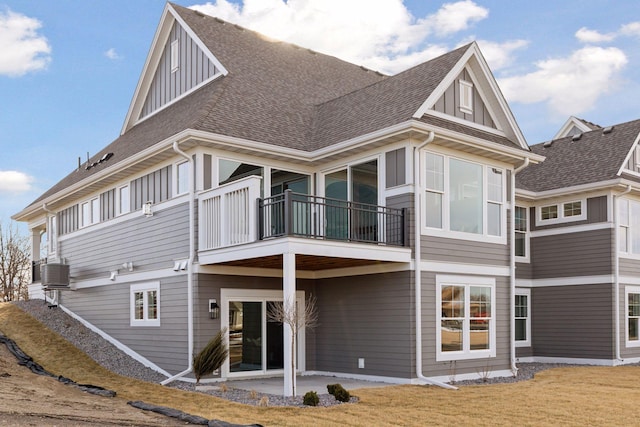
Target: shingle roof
(595, 157)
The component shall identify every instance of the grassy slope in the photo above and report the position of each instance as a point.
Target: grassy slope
(567, 396)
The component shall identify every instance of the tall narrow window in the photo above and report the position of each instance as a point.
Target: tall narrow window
(175, 55)
(182, 177)
(633, 316)
(435, 189)
(90, 212)
(623, 225)
(466, 97)
(521, 228)
(124, 201)
(523, 318)
(494, 202)
(52, 235)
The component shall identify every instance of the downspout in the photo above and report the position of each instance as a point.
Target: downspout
(417, 261)
(192, 245)
(616, 270)
(512, 269)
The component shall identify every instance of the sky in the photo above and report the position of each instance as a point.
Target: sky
(69, 68)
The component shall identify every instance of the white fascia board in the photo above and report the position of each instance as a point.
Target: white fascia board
(571, 121)
(628, 156)
(567, 191)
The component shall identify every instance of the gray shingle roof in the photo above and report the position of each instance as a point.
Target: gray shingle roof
(595, 157)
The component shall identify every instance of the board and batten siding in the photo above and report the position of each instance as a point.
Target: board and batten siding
(430, 328)
(586, 253)
(108, 308)
(368, 317)
(150, 243)
(573, 321)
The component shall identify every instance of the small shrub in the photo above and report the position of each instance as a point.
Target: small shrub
(253, 395)
(339, 392)
(211, 357)
(311, 398)
(264, 401)
(224, 387)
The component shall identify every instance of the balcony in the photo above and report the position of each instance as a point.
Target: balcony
(235, 214)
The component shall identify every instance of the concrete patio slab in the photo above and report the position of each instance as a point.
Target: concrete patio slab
(317, 383)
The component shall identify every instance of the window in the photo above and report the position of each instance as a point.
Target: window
(463, 197)
(124, 201)
(90, 212)
(182, 178)
(230, 171)
(175, 55)
(145, 304)
(629, 226)
(633, 316)
(522, 229)
(562, 212)
(466, 97)
(465, 317)
(523, 318)
(52, 236)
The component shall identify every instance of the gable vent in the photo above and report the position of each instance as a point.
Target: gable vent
(576, 137)
(607, 130)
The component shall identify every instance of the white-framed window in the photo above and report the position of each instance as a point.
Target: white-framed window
(90, 212)
(464, 198)
(124, 200)
(466, 97)
(574, 210)
(52, 235)
(465, 309)
(629, 226)
(175, 55)
(523, 317)
(632, 296)
(145, 304)
(522, 233)
(182, 178)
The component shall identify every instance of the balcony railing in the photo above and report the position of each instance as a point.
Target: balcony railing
(234, 214)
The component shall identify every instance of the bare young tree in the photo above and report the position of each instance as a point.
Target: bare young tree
(15, 264)
(288, 313)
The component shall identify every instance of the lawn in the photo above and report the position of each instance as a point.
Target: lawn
(566, 396)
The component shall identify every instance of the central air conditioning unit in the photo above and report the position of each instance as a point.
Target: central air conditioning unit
(54, 276)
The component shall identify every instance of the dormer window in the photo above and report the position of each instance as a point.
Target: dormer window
(466, 97)
(175, 55)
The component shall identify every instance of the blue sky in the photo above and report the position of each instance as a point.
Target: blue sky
(68, 69)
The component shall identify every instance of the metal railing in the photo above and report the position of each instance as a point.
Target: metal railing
(301, 215)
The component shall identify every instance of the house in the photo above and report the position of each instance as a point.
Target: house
(250, 172)
(577, 249)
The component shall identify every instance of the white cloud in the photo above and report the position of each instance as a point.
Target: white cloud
(500, 55)
(22, 49)
(386, 37)
(569, 85)
(586, 35)
(631, 29)
(112, 54)
(14, 182)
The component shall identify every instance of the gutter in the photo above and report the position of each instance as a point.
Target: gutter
(616, 271)
(512, 256)
(417, 262)
(190, 340)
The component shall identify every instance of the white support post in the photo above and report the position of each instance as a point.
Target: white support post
(289, 297)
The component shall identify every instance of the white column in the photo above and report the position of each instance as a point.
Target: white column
(289, 297)
(35, 244)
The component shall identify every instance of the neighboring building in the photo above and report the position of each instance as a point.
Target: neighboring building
(398, 219)
(578, 249)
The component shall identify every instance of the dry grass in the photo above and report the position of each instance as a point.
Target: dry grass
(567, 396)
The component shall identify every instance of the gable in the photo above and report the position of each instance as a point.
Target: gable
(183, 65)
(451, 101)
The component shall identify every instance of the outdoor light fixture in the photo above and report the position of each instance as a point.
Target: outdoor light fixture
(113, 275)
(214, 309)
(128, 266)
(146, 209)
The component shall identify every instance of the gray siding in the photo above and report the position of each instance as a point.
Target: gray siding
(150, 243)
(629, 267)
(68, 220)
(470, 252)
(405, 201)
(108, 308)
(108, 205)
(524, 270)
(573, 321)
(586, 253)
(524, 352)
(195, 67)
(154, 187)
(368, 317)
(395, 168)
(502, 361)
(449, 103)
(596, 212)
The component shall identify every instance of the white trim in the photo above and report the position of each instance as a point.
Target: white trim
(573, 190)
(144, 288)
(560, 210)
(629, 290)
(571, 229)
(177, 178)
(474, 376)
(120, 346)
(465, 269)
(524, 292)
(565, 281)
(628, 156)
(570, 123)
(527, 234)
(175, 55)
(466, 282)
(125, 277)
(568, 360)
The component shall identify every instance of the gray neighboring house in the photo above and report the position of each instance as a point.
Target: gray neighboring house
(250, 172)
(578, 249)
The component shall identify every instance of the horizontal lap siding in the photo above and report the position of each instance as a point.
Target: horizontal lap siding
(108, 308)
(573, 321)
(587, 253)
(150, 243)
(368, 317)
(430, 328)
(629, 267)
(596, 213)
(469, 252)
(524, 270)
